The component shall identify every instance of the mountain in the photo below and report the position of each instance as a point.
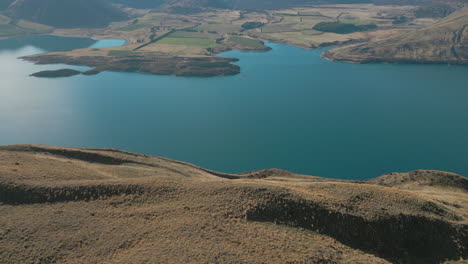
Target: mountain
(143, 4)
(194, 6)
(443, 42)
(67, 13)
(254, 4)
(69, 205)
(276, 4)
(4, 4)
(198, 4)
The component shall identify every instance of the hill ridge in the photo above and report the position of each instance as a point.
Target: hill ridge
(67, 13)
(443, 42)
(151, 198)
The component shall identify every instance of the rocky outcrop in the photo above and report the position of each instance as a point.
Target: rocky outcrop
(56, 73)
(401, 238)
(25, 194)
(421, 178)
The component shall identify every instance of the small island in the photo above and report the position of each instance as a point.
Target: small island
(56, 73)
(141, 63)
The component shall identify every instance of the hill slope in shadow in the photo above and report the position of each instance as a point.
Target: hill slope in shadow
(67, 13)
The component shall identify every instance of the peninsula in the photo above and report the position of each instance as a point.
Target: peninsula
(184, 37)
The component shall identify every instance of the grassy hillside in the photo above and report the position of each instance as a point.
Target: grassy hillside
(65, 205)
(10, 27)
(67, 13)
(443, 42)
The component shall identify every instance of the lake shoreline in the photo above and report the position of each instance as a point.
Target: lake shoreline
(307, 99)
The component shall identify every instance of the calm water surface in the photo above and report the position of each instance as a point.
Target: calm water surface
(288, 109)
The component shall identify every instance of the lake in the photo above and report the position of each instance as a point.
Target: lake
(288, 109)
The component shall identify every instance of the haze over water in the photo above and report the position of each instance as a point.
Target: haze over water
(288, 109)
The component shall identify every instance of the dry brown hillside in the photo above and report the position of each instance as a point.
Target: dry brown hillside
(66, 205)
(444, 42)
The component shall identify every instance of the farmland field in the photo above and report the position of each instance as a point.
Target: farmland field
(4, 20)
(220, 27)
(199, 42)
(11, 30)
(39, 28)
(189, 34)
(134, 27)
(246, 42)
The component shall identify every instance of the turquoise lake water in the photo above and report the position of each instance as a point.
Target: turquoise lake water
(288, 109)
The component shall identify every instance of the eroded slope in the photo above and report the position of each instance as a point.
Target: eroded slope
(109, 206)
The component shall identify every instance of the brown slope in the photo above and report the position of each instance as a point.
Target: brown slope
(443, 42)
(69, 205)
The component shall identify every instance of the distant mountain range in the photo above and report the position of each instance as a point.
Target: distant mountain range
(140, 3)
(443, 42)
(66, 13)
(4, 4)
(275, 4)
(99, 13)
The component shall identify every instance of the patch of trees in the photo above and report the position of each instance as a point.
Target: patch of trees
(400, 20)
(252, 25)
(190, 30)
(342, 28)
